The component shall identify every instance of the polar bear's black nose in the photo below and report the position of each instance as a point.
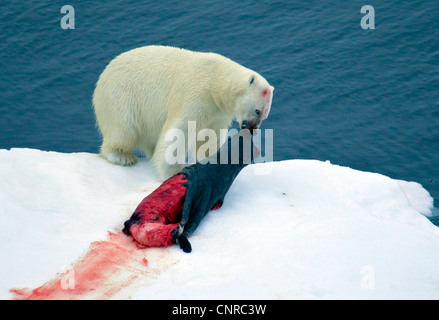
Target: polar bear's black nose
(246, 124)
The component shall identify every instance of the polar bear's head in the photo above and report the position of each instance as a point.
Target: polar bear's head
(253, 103)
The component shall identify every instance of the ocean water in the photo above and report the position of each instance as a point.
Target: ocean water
(367, 99)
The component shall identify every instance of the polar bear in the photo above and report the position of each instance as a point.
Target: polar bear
(145, 92)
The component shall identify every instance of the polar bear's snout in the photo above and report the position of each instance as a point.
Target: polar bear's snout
(253, 123)
(260, 105)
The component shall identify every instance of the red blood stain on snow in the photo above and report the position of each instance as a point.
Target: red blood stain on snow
(107, 267)
(115, 264)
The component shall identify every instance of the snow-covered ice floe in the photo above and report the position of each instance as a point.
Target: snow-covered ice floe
(297, 229)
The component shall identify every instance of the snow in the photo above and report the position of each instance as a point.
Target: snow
(297, 229)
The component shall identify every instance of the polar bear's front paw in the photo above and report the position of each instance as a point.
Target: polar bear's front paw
(119, 158)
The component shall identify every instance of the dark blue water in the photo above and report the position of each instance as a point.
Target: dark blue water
(367, 99)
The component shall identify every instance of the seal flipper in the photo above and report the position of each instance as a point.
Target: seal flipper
(198, 201)
(182, 240)
(185, 245)
(191, 184)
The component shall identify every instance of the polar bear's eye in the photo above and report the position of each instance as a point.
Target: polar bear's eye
(257, 112)
(252, 79)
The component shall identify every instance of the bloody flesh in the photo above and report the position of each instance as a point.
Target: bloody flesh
(158, 214)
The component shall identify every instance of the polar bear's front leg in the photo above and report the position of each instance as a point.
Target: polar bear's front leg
(120, 158)
(118, 155)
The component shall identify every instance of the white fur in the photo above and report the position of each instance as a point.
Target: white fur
(144, 92)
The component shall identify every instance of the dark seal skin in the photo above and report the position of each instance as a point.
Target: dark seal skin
(204, 186)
